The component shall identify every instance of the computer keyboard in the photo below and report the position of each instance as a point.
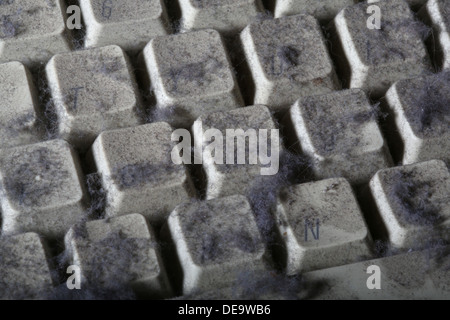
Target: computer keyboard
(236, 149)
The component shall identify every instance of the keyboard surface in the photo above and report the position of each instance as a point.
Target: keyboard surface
(238, 149)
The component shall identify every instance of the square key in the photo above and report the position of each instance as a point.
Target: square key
(373, 59)
(93, 91)
(191, 75)
(19, 123)
(225, 179)
(413, 204)
(216, 242)
(288, 59)
(421, 110)
(118, 251)
(322, 10)
(321, 225)
(339, 132)
(24, 270)
(437, 13)
(129, 24)
(32, 31)
(226, 16)
(138, 173)
(42, 188)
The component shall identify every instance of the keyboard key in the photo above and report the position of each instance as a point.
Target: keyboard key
(415, 275)
(24, 268)
(373, 59)
(322, 10)
(129, 24)
(138, 173)
(437, 13)
(215, 242)
(19, 123)
(42, 189)
(191, 76)
(288, 59)
(229, 16)
(118, 251)
(421, 110)
(339, 132)
(93, 91)
(225, 179)
(321, 225)
(32, 31)
(413, 204)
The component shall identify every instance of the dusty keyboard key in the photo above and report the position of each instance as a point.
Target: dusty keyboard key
(413, 204)
(373, 59)
(226, 16)
(42, 188)
(191, 75)
(322, 10)
(321, 225)
(420, 108)
(288, 59)
(24, 270)
(437, 12)
(19, 115)
(339, 132)
(138, 173)
(117, 252)
(32, 31)
(216, 242)
(93, 91)
(129, 24)
(224, 178)
(416, 275)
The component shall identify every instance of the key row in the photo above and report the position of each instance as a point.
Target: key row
(26, 39)
(338, 131)
(190, 75)
(139, 166)
(43, 188)
(33, 31)
(212, 244)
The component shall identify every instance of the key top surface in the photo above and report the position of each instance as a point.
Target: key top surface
(321, 225)
(32, 31)
(93, 91)
(416, 275)
(225, 179)
(288, 59)
(340, 133)
(118, 251)
(138, 173)
(42, 189)
(129, 24)
(372, 59)
(413, 204)
(191, 75)
(215, 241)
(421, 110)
